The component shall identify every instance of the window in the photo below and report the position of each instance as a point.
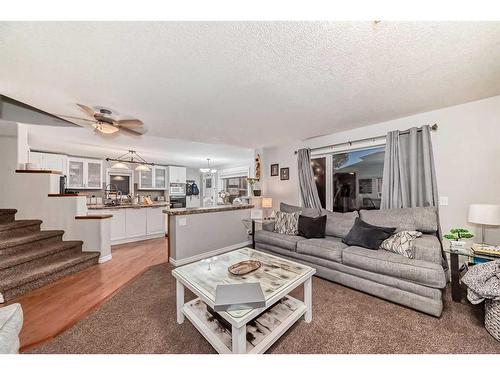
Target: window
(235, 186)
(354, 182)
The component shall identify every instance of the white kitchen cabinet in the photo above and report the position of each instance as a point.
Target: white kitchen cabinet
(146, 180)
(154, 179)
(136, 222)
(177, 175)
(118, 223)
(160, 177)
(49, 161)
(155, 220)
(84, 173)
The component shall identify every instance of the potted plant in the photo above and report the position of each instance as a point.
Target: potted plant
(457, 236)
(252, 181)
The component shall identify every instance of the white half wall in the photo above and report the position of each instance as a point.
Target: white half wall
(466, 153)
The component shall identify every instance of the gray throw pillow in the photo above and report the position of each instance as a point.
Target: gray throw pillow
(402, 243)
(305, 211)
(287, 223)
(339, 224)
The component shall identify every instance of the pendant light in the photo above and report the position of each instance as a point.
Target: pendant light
(131, 157)
(208, 169)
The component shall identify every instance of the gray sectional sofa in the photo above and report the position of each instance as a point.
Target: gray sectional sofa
(416, 283)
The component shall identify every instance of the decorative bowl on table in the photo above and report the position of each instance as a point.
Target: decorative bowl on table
(243, 268)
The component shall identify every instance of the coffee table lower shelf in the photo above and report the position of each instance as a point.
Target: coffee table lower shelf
(261, 332)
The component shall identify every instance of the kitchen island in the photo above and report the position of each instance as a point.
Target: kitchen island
(134, 222)
(201, 232)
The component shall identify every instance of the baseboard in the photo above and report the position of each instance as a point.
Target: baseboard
(180, 262)
(136, 239)
(105, 258)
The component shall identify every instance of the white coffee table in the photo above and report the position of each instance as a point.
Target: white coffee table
(244, 331)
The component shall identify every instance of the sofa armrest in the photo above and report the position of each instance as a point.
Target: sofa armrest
(268, 226)
(428, 248)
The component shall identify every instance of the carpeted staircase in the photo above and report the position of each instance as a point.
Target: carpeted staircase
(31, 258)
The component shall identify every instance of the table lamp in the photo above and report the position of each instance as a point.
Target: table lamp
(266, 204)
(484, 214)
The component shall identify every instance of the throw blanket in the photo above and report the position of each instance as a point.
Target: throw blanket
(483, 282)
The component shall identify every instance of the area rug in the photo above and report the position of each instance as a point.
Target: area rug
(141, 319)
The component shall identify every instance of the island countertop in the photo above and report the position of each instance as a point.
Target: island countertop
(126, 205)
(203, 210)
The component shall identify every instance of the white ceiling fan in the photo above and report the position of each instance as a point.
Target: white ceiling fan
(105, 121)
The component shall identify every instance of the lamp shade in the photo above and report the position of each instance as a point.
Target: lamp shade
(485, 214)
(267, 202)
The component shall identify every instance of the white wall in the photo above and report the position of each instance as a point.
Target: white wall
(466, 153)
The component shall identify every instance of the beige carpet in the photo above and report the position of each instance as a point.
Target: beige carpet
(141, 319)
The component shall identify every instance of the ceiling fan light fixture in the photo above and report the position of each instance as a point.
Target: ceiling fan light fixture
(105, 128)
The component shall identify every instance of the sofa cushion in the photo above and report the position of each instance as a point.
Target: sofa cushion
(422, 219)
(428, 248)
(304, 211)
(338, 224)
(329, 248)
(391, 264)
(285, 241)
(11, 322)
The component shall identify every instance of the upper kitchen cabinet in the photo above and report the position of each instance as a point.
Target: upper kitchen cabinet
(44, 160)
(177, 175)
(154, 179)
(84, 173)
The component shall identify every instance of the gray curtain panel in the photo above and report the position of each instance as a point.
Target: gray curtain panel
(409, 175)
(308, 189)
(409, 178)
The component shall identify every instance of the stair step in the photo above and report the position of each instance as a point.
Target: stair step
(29, 241)
(7, 215)
(18, 228)
(21, 283)
(44, 253)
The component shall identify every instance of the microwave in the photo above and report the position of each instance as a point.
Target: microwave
(177, 189)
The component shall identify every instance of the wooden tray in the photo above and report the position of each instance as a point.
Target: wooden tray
(242, 268)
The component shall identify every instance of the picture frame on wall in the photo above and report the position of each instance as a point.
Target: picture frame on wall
(275, 169)
(285, 173)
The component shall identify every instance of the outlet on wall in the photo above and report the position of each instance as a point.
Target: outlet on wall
(443, 201)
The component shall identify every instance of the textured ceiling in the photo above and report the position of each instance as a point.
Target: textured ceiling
(250, 83)
(83, 142)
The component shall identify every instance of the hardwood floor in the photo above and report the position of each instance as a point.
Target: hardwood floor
(54, 308)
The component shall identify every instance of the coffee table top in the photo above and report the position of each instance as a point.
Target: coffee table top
(275, 274)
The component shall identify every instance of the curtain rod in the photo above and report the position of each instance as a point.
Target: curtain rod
(350, 143)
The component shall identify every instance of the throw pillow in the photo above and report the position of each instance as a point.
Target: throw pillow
(312, 227)
(304, 211)
(367, 235)
(401, 243)
(287, 223)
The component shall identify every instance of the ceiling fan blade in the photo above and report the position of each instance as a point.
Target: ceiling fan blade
(89, 111)
(130, 123)
(134, 131)
(76, 118)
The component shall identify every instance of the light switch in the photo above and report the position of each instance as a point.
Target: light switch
(182, 222)
(443, 201)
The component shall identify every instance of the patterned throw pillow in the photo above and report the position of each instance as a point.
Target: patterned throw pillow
(401, 243)
(287, 223)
